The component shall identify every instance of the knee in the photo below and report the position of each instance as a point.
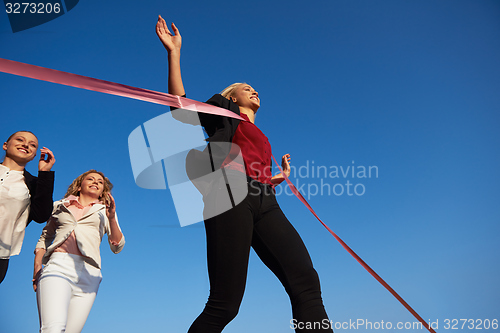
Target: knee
(222, 314)
(309, 279)
(229, 313)
(306, 287)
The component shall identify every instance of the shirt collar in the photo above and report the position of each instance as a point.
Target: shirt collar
(74, 200)
(244, 116)
(6, 169)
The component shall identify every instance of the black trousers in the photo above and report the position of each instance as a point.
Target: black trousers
(257, 222)
(4, 264)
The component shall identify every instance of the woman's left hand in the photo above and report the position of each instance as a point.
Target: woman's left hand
(285, 164)
(47, 159)
(111, 208)
(111, 214)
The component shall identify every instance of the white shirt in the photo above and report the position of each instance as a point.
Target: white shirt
(14, 211)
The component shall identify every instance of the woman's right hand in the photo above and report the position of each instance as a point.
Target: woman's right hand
(47, 159)
(172, 43)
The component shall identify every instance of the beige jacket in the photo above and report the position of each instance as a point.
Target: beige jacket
(89, 231)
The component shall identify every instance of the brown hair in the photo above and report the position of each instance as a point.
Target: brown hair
(10, 137)
(75, 185)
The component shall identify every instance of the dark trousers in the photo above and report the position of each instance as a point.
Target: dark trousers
(257, 222)
(4, 264)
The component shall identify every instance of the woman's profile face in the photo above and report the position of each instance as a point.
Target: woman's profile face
(92, 185)
(246, 96)
(21, 147)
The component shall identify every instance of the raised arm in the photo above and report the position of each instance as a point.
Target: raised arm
(42, 188)
(172, 44)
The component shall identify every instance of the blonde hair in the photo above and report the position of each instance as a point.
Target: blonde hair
(73, 189)
(229, 91)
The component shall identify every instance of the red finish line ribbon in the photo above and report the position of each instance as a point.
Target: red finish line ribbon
(107, 87)
(352, 253)
(112, 88)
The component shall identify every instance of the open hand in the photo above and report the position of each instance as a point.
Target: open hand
(171, 42)
(111, 208)
(285, 164)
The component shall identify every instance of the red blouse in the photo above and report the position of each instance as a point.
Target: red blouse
(255, 149)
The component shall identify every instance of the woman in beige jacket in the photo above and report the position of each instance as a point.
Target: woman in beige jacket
(69, 247)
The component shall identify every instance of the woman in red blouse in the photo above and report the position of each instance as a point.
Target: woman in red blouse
(255, 222)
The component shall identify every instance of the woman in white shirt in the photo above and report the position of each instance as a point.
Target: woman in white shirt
(67, 285)
(23, 197)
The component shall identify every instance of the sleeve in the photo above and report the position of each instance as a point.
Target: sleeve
(211, 123)
(185, 116)
(172, 108)
(41, 190)
(48, 234)
(121, 244)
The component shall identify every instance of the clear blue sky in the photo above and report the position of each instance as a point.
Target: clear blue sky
(411, 87)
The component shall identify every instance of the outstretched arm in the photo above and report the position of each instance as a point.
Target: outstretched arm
(172, 44)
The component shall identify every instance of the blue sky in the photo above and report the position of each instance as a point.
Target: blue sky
(410, 87)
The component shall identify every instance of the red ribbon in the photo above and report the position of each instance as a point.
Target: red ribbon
(112, 88)
(358, 259)
(107, 87)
